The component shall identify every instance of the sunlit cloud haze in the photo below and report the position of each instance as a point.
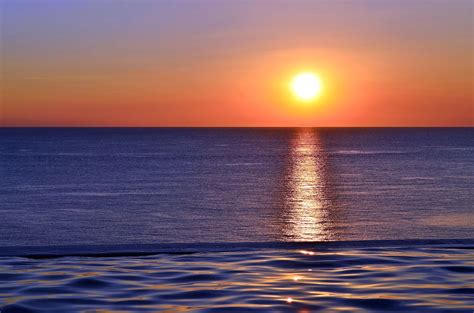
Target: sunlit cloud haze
(229, 63)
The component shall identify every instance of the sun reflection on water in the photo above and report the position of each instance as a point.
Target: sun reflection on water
(306, 200)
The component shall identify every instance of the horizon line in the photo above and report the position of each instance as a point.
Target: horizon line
(178, 126)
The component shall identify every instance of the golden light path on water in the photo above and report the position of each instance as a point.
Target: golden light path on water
(306, 201)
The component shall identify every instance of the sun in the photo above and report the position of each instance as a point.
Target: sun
(306, 86)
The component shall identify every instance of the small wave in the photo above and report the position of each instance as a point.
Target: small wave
(461, 177)
(34, 153)
(408, 279)
(418, 178)
(108, 194)
(350, 174)
(457, 148)
(243, 164)
(141, 154)
(368, 152)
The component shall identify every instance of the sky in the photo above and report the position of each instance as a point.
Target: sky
(229, 63)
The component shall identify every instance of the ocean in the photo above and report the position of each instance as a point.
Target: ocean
(221, 219)
(63, 186)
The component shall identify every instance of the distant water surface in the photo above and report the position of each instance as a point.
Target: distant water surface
(104, 186)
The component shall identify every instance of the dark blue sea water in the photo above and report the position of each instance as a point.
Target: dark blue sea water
(236, 220)
(400, 279)
(65, 186)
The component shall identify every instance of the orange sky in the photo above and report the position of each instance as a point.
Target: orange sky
(216, 63)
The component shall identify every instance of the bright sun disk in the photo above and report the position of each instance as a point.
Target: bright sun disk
(306, 86)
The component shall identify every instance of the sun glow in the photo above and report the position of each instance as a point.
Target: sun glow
(306, 86)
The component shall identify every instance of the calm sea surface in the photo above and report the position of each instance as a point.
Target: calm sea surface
(109, 186)
(221, 214)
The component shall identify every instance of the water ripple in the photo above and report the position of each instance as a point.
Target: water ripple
(346, 279)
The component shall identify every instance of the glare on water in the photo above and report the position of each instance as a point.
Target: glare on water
(306, 201)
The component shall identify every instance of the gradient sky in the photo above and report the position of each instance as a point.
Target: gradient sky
(228, 63)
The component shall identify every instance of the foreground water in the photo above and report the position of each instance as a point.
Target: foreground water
(107, 186)
(395, 279)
